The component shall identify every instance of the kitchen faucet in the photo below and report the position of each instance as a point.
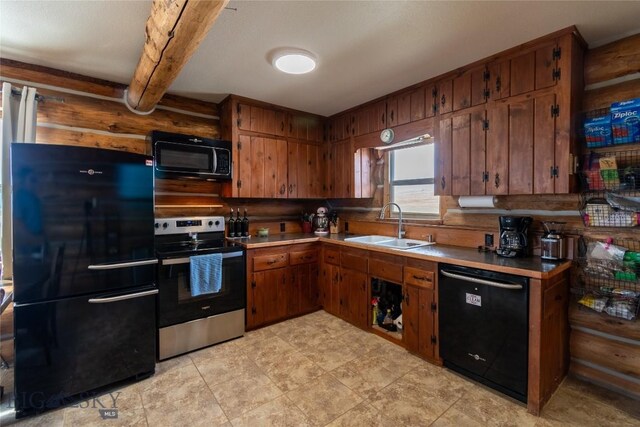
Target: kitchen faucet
(400, 232)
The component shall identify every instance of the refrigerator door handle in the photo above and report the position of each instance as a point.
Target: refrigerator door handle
(480, 281)
(122, 297)
(122, 265)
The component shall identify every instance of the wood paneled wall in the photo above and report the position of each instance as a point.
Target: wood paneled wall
(84, 111)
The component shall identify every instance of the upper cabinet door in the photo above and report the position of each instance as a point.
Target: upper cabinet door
(417, 105)
(443, 159)
(461, 92)
(403, 111)
(521, 130)
(445, 92)
(470, 88)
(499, 83)
(497, 150)
(430, 100)
(392, 111)
(535, 69)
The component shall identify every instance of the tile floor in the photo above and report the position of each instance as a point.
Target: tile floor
(317, 370)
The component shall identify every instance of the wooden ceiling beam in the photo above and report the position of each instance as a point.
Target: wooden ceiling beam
(174, 31)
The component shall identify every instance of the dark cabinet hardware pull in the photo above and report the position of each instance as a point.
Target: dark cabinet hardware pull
(406, 298)
(498, 84)
(290, 188)
(273, 261)
(281, 126)
(497, 180)
(443, 182)
(425, 278)
(392, 115)
(382, 118)
(443, 100)
(551, 170)
(283, 188)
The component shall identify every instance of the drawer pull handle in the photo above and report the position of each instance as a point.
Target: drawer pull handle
(424, 278)
(273, 261)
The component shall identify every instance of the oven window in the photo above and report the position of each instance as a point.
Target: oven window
(185, 159)
(184, 288)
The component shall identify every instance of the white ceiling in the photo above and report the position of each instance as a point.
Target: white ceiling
(365, 48)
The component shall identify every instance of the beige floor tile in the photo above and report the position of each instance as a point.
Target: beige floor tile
(267, 353)
(418, 398)
(127, 401)
(362, 415)
(455, 418)
(280, 412)
(224, 368)
(624, 403)
(324, 399)
(245, 393)
(489, 408)
(175, 362)
(172, 385)
(200, 409)
(293, 370)
(329, 355)
(253, 337)
(229, 348)
(48, 419)
(573, 408)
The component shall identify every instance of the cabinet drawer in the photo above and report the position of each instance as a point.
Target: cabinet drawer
(354, 260)
(414, 276)
(332, 256)
(303, 257)
(386, 270)
(269, 262)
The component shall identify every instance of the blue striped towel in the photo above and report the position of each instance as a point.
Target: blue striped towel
(206, 274)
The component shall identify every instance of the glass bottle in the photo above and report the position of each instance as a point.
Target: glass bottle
(232, 225)
(238, 224)
(388, 320)
(245, 225)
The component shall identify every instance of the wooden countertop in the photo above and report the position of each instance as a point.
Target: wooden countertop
(532, 266)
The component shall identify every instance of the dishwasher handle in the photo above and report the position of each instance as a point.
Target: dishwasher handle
(479, 281)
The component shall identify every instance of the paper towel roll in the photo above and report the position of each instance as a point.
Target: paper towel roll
(476, 202)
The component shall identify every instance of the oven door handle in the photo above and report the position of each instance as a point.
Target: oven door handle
(122, 297)
(122, 264)
(175, 261)
(480, 281)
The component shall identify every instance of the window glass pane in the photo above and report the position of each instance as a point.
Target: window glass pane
(416, 198)
(413, 163)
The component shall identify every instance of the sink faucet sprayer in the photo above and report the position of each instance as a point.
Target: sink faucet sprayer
(400, 232)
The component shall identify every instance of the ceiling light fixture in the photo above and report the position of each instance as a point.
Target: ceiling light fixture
(294, 61)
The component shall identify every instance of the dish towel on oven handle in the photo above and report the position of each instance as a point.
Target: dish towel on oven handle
(206, 274)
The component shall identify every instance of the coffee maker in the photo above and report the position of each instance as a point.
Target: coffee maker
(514, 239)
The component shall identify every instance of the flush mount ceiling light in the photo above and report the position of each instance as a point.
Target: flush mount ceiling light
(294, 61)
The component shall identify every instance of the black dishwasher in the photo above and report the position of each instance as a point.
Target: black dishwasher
(484, 323)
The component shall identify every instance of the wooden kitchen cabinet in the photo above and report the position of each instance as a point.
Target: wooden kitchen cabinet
(353, 296)
(305, 170)
(262, 169)
(281, 283)
(262, 136)
(526, 142)
(419, 313)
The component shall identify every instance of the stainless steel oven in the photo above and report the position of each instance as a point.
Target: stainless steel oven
(187, 322)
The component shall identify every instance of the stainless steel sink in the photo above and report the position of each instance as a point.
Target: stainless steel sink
(389, 242)
(404, 243)
(369, 239)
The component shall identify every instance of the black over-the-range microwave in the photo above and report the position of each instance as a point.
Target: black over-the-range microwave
(187, 156)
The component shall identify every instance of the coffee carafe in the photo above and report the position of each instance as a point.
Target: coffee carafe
(552, 243)
(514, 236)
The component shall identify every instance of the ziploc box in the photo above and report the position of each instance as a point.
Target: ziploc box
(625, 121)
(597, 131)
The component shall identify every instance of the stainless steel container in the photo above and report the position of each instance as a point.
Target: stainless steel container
(553, 244)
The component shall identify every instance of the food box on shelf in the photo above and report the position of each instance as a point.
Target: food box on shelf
(601, 214)
(609, 172)
(625, 121)
(597, 131)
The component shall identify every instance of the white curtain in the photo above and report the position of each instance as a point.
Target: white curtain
(18, 125)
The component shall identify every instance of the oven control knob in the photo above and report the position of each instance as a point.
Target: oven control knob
(217, 223)
(165, 225)
(156, 225)
(211, 223)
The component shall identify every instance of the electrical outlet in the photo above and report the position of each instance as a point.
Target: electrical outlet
(488, 240)
(282, 227)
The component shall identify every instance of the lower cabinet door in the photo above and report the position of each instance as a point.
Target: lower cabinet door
(426, 324)
(411, 318)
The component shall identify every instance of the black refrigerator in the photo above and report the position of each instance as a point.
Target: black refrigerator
(84, 271)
